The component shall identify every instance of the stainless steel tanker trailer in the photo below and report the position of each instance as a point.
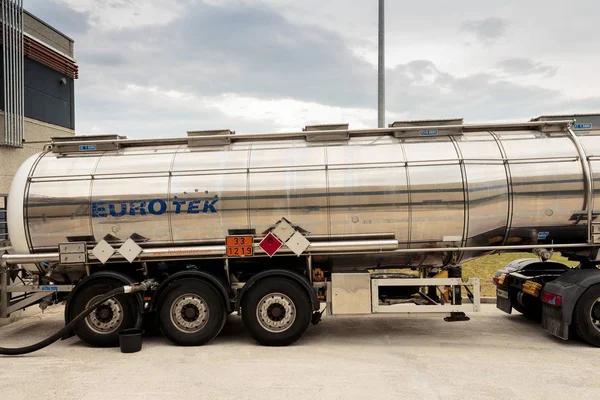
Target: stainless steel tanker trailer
(282, 227)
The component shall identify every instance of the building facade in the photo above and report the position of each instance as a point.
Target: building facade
(37, 100)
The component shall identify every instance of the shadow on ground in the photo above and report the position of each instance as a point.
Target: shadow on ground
(355, 331)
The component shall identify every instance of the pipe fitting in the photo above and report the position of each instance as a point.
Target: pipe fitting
(140, 287)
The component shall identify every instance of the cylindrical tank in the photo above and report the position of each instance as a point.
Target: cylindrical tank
(477, 188)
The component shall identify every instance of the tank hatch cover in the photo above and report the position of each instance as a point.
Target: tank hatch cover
(326, 127)
(326, 132)
(215, 137)
(582, 122)
(425, 128)
(85, 143)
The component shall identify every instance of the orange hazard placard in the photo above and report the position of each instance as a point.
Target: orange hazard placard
(239, 246)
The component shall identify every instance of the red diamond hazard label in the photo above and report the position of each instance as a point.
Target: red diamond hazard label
(270, 244)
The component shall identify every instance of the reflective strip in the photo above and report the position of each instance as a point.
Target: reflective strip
(532, 288)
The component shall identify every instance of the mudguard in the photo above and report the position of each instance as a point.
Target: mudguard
(216, 282)
(526, 264)
(570, 286)
(281, 273)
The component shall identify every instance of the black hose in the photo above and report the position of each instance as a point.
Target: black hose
(48, 341)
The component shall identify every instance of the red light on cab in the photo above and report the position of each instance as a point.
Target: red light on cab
(552, 299)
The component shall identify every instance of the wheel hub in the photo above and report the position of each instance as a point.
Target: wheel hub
(104, 313)
(276, 312)
(106, 318)
(189, 313)
(595, 314)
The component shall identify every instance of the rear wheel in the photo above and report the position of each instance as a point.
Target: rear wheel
(276, 311)
(191, 312)
(587, 316)
(101, 328)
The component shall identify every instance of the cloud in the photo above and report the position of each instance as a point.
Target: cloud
(248, 50)
(525, 66)
(416, 90)
(103, 58)
(486, 30)
(142, 111)
(249, 66)
(58, 14)
(421, 90)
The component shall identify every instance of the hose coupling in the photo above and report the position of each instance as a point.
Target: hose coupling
(141, 287)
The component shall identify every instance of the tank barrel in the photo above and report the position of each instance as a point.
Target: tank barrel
(414, 191)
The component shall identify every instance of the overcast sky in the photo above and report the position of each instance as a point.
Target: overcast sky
(152, 68)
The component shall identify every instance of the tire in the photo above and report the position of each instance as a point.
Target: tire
(285, 295)
(586, 312)
(191, 312)
(101, 328)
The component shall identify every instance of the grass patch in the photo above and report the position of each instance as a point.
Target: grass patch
(485, 268)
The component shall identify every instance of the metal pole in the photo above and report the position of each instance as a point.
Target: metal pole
(22, 77)
(381, 72)
(13, 72)
(18, 77)
(9, 108)
(4, 71)
(13, 83)
(8, 55)
(18, 81)
(381, 68)
(4, 296)
(588, 204)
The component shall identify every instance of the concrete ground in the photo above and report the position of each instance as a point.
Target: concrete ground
(493, 356)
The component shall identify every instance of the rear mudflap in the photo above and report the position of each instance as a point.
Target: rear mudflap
(552, 322)
(503, 301)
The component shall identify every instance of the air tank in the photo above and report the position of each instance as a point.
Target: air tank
(431, 184)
